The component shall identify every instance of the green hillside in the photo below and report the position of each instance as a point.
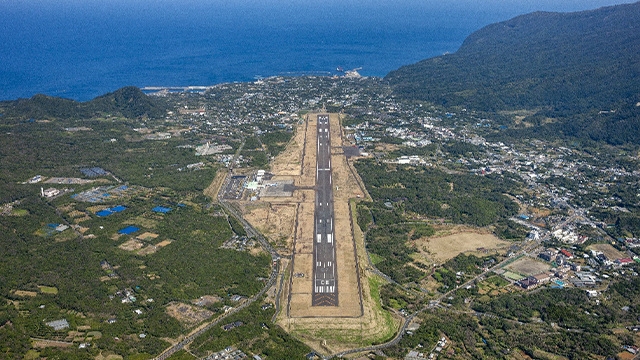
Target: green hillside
(128, 102)
(563, 66)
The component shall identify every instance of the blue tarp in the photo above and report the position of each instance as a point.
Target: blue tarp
(128, 230)
(161, 209)
(104, 213)
(118, 208)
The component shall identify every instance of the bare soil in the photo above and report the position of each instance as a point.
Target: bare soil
(457, 240)
(188, 315)
(528, 266)
(131, 245)
(608, 251)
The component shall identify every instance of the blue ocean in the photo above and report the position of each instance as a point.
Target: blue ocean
(80, 49)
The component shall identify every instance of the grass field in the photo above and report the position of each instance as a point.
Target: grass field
(527, 266)
(512, 276)
(608, 251)
(444, 248)
(48, 290)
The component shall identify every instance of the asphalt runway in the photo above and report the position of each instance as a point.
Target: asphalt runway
(325, 276)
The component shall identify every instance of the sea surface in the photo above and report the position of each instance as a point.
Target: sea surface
(80, 49)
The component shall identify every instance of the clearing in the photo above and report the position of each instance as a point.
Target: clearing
(458, 240)
(528, 266)
(188, 315)
(609, 251)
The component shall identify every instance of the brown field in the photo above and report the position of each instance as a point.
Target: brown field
(275, 221)
(608, 251)
(131, 245)
(76, 213)
(288, 162)
(188, 315)
(454, 241)
(164, 243)
(147, 236)
(528, 266)
(109, 357)
(50, 343)
(213, 189)
(97, 208)
(79, 220)
(150, 249)
(24, 293)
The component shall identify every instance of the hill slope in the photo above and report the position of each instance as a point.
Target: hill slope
(563, 65)
(129, 102)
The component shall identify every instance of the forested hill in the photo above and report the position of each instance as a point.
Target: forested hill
(129, 102)
(562, 65)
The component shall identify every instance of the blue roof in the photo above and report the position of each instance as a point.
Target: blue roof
(161, 209)
(104, 213)
(128, 230)
(118, 208)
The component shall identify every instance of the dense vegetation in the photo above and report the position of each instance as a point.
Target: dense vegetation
(577, 73)
(46, 148)
(129, 102)
(459, 198)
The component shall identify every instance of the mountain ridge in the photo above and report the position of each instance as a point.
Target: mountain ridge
(558, 64)
(129, 102)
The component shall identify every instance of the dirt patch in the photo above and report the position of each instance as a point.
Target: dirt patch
(76, 213)
(445, 247)
(150, 249)
(188, 315)
(50, 343)
(206, 300)
(131, 245)
(147, 236)
(276, 221)
(214, 188)
(97, 208)
(164, 243)
(288, 162)
(24, 293)
(79, 220)
(528, 266)
(609, 251)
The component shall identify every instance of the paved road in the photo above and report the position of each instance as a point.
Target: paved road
(325, 281)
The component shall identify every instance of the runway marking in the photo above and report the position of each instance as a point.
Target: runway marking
(319, 237)
(329, 240)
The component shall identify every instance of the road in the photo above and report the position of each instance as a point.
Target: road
(325, 282)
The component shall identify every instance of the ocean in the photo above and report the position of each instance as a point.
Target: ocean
(80, 49)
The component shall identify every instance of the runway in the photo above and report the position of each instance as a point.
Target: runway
(325, 278)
